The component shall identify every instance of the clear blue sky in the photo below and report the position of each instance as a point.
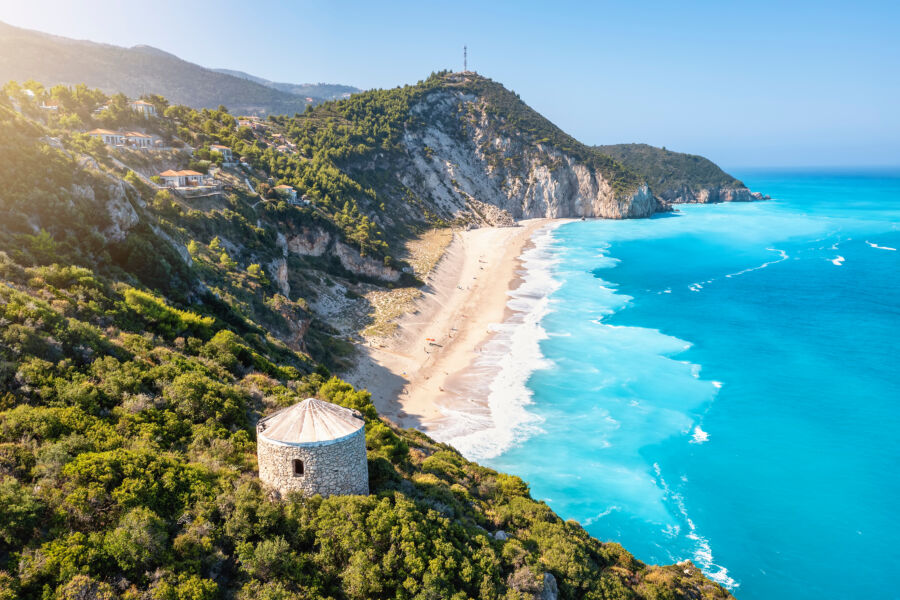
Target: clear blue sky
(763, 83)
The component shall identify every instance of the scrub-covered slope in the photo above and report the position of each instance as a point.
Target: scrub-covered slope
(140, 342)
(679, 178)
(458, 146)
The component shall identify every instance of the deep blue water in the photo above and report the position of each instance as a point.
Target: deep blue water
(721, 384)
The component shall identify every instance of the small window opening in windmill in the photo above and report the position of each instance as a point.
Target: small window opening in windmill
(298, 467)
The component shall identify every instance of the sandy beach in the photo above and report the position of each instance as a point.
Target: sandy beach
(410, 374)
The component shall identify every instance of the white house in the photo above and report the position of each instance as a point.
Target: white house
(182, 178)
(225, 151)
(137, 139)
(287, 192)
(110, 138)
(252, 122)
(143, 107)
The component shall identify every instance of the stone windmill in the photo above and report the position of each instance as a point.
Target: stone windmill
(313, 447)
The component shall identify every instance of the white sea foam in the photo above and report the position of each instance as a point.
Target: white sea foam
(696, 287)
(511, 355)
(881, 247)
(837, 261)
(783, 256)
(702, 553)
(717, 384)
(699, 436)
(591, 520)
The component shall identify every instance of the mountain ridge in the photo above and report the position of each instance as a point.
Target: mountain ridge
(321, 91)
(141, 69)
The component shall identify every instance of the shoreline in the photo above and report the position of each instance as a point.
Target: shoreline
(417, 376)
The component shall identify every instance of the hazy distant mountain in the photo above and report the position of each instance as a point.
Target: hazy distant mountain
(50, 59)
(324, 91)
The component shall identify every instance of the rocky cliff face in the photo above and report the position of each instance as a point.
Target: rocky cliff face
(315, 242)
(462, 158)
(680, 178)
(707, 195)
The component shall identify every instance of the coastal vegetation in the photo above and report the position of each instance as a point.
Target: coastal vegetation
(664, 169)
(144, 333)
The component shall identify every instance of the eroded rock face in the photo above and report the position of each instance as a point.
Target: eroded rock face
(309, 242)
(122, 213)
(316, 242)
(278, 269)
(685, 195)
(522, 179)
(550, 590)
(363, 265)
(180, 248)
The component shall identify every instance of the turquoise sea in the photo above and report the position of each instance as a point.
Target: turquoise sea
(719, 384)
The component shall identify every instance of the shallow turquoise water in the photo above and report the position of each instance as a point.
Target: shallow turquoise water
(721, 385)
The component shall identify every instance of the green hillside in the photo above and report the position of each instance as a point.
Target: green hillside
(664, 169)
(51, 60)
(141, 342)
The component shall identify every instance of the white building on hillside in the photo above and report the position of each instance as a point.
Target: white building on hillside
(182, 178)
(287, 192)
(225, 151)
(136, 139)
(143, 107)
(110, 138)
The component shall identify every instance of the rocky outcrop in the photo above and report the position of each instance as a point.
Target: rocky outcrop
(687, 195)
(550, 590)
(122, 215)
(180, 248)
(278, 269)
(521, 178)
(317, 242)
(309, 242)
(363, 265)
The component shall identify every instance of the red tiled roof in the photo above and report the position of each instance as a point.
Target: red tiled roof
(103, 132)
(137, 134)
(171, 173)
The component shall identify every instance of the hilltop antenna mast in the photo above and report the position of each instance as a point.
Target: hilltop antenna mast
(465, 59)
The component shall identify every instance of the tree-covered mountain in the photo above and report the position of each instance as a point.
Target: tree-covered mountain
(319, 91)
(51, 60)
(676, 177)
(144, 332)
(452, 148)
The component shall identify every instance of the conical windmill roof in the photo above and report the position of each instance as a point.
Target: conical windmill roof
(309, 422)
